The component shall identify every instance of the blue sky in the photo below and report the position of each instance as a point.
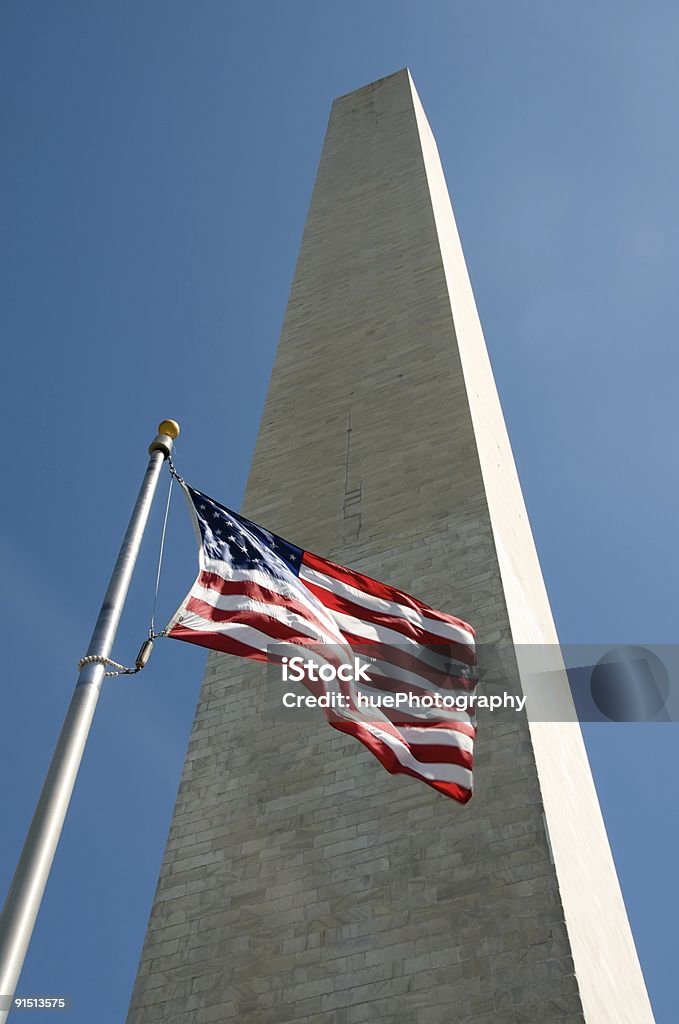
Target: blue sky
(158, 164)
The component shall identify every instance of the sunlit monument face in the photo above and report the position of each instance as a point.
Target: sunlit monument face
(301, 882)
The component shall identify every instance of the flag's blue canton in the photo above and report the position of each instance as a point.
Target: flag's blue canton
(240, 543)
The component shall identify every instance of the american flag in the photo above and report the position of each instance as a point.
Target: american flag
(259, 596)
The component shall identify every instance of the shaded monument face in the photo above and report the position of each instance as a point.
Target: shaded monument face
(302, 883)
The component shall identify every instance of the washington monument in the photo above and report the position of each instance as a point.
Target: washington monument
(301, 883)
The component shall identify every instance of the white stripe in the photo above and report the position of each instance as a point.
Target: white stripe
(447, 630)
(261, 641)
(290, 587)
(422, 714)
(378, 668)
(434, 772)
(242, 603)
(392, 638)
(409, 679)
(415, 736)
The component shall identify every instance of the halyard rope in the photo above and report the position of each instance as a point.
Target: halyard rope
(147, 646)
(152, 632)
(98, 659)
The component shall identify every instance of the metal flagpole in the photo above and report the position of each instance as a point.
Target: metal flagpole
(23, 900)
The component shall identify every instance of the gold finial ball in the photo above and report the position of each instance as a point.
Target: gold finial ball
(170, 428)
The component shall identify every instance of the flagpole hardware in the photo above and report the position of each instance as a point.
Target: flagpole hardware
(30, 878)
(168, 431)
(140, 662)
(144, 655)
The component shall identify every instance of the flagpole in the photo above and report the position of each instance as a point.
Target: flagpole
(30, 878)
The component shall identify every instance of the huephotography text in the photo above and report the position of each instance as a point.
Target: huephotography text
(406, 701)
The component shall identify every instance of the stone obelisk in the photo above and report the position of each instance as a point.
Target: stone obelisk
(301, 883)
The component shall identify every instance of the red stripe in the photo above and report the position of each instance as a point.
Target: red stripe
(388, 759)
(229, 645)
(278, 631)
(376, 589)
(403, 659)
(426, 753)
(441, 755)
(441, 646)
(401, 719)
(256, 592)
(219, 642)
(386, 684)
